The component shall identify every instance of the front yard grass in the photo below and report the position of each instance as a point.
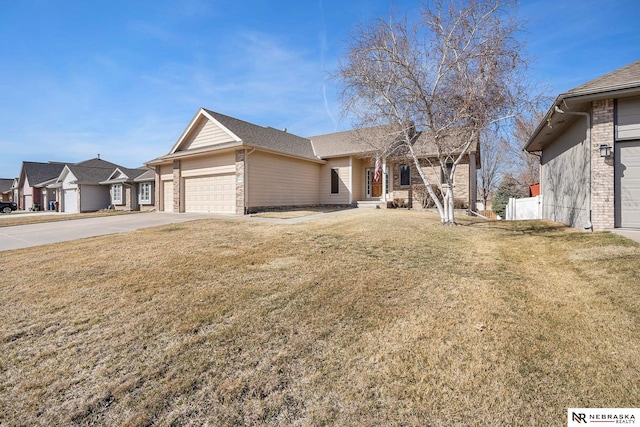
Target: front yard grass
(380, 317)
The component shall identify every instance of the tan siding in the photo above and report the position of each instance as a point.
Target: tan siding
(205, 133)
(359, 177)
(166, 172)
(281, 181)
(209, 165)
(344, 172)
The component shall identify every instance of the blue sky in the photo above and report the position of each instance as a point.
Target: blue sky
(123, 77)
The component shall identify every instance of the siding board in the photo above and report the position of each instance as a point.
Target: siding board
(344, 172)
(281, 181)
(205, 134)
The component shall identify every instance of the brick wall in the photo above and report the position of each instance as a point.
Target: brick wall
(461, 190)
(602, 171)
(177, 187)
(240, 182)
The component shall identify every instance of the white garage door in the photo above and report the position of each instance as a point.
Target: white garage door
(628, 184)
(167, 188)
(70, 201)
(215, 193)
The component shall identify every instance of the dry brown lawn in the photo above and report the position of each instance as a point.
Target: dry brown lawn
(380, 317)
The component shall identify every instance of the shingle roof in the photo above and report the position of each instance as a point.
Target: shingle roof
(90, 175)
(98, 163)
(347, 142)
(627, 76)
(5, 185)
(38, 173)
(266, 137)
(364, 141)
(147, 175)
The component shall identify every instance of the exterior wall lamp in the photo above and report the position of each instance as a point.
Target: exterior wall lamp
(605, 150)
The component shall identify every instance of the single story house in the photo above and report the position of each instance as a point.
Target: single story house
(590, 145)
(226, 165)
(6, 189)
(131, 189)
(34, 178)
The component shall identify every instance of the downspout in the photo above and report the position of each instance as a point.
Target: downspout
(588, 117)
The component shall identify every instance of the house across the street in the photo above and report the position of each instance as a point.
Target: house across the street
(590, 145)
(226, 165)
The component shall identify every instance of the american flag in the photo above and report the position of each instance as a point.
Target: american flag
(376, 175)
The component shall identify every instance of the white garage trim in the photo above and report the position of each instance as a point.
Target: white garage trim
(627, 171)
(167, 196)
(213, 193)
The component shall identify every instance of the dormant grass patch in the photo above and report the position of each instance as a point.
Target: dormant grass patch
(378, 317)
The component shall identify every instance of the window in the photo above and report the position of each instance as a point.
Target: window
(444, 173)
(145, 193)
(335, 181)
(116, 194)
(405, 175)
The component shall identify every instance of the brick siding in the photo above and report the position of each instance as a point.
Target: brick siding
(602, 170)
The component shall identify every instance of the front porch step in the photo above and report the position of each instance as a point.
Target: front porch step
(370, 204)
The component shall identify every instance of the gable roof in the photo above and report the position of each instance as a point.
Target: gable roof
(121, 174)
(6, 184)
(242, 134)
(38, 173)
(623, 82)
(147, 175)
(266, 137)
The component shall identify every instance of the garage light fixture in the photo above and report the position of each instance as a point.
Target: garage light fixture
(605, 150)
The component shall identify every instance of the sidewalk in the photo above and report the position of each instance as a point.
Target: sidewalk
(629, 233)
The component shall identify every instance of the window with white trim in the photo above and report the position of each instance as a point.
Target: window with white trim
(145, 193)
(116, 194)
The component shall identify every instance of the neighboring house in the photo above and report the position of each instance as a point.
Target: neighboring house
(131, 189)
(226, 165)
(15, 188)
(590, 145)
(6, 189)
(34, 178)
(78, 186)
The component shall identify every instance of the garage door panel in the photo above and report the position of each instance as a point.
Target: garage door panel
(628, 184)
(214, 193)
(70, 201)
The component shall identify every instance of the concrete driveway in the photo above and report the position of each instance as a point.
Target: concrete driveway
(24, 236)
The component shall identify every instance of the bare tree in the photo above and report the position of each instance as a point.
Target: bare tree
(445, 78)
(526, 165)
(493, 155)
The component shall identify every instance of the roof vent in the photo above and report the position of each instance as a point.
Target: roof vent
(284, 129)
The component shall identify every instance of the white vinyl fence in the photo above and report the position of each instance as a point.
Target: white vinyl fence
(528, 208)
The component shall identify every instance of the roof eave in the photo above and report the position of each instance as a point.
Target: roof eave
(577, 99)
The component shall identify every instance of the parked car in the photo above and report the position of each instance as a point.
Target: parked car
(8, 207)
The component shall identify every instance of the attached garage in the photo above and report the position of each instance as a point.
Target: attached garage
(214, 193)
(167, 193)
(627, 171)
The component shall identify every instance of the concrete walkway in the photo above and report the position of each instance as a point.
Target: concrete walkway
(629, 233)
(24, 236)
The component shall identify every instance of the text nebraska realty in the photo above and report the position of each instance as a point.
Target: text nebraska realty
(604, 418)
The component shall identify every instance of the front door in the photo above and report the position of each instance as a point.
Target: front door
(374, 187)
